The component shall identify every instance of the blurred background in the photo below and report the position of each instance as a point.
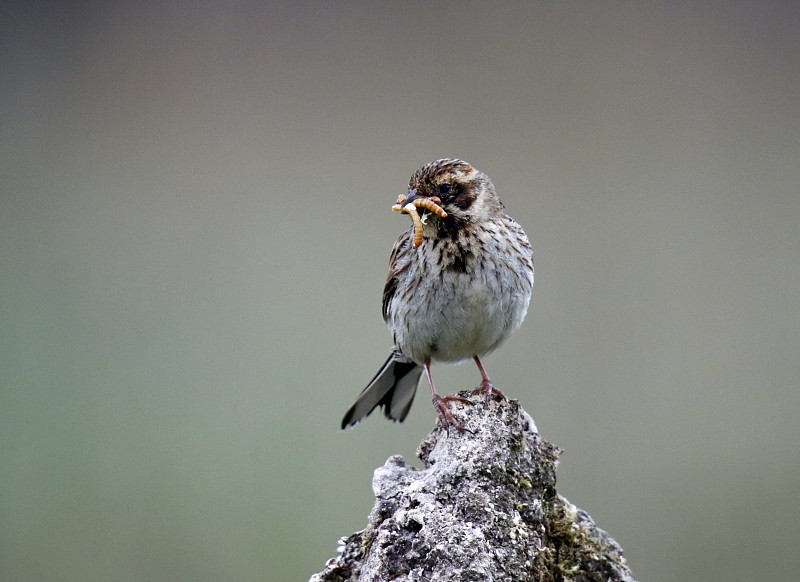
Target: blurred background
(195, 229)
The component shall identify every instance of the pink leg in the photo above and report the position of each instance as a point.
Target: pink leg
(486, 384)
(445, 416)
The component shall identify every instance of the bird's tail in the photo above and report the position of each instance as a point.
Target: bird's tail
(393, 387)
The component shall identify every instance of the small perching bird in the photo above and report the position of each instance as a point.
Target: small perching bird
(460, 282)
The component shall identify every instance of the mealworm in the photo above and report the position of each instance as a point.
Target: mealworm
(412, 210)
(431, 204)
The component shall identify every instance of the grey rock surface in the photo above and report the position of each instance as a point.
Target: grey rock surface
(485, 507)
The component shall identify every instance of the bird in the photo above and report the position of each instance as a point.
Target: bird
(452, 296)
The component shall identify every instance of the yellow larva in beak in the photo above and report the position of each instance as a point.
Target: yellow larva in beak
(410, 204)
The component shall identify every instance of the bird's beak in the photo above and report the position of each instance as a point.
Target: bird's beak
(412, 195)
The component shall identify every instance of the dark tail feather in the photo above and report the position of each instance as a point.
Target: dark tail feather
(393, 387)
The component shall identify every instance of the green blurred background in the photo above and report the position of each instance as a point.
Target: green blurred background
(195, 233)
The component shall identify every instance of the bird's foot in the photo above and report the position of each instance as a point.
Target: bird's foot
(446, 418)
(490, 390)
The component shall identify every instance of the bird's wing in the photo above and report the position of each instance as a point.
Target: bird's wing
(397, 264)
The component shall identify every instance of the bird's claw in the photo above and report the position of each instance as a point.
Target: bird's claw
(446, 417)
(490, 390)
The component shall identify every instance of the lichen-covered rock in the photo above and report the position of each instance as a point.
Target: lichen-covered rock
(484, 508)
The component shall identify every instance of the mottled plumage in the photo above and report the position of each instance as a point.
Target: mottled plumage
(457, 296)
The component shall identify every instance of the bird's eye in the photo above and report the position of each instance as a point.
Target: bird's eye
(444, 189)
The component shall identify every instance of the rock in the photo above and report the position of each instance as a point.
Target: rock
(484, 508)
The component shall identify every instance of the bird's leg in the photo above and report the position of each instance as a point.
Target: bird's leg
(445, 416)
(486, 384)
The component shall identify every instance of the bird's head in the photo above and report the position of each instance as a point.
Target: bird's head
(466, 194)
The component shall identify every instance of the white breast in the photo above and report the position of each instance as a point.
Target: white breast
(451, 315)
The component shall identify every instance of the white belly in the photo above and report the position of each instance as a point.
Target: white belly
(461, 314)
